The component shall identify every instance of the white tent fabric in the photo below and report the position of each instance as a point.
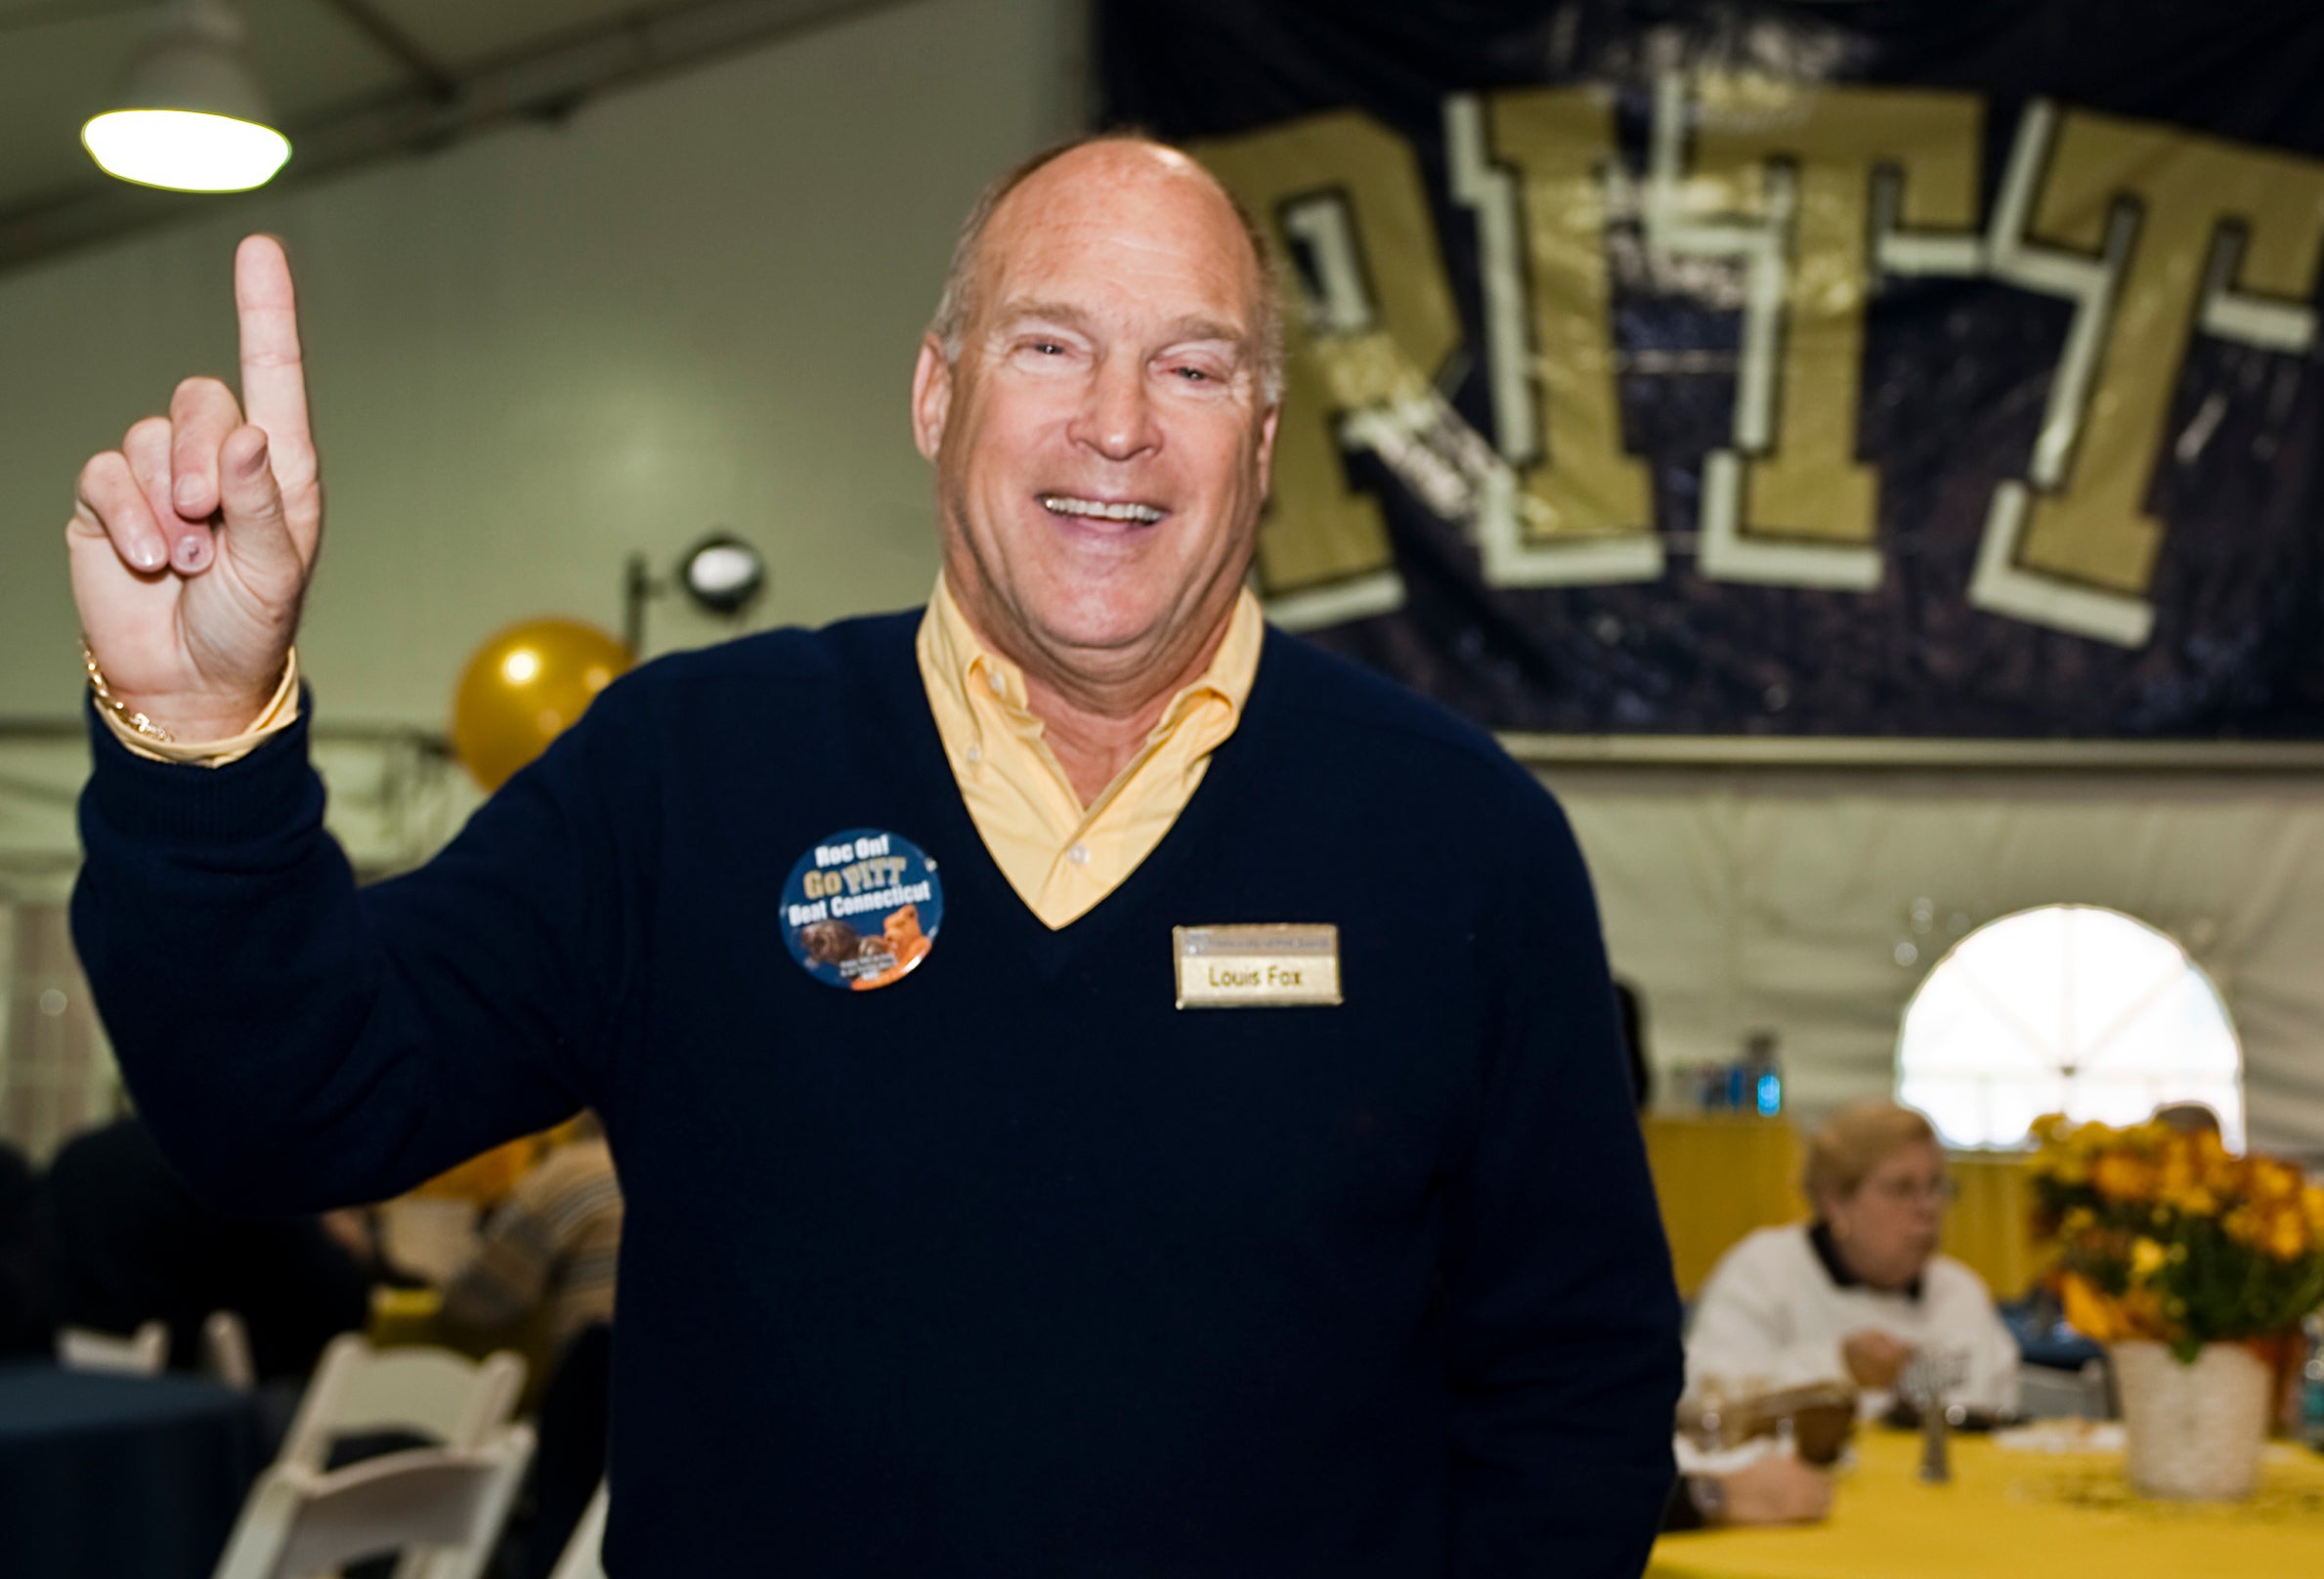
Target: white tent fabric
(1740, 898)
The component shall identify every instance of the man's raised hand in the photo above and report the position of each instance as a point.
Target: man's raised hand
(191, 545)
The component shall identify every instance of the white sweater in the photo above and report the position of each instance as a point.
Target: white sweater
(1770, 1316)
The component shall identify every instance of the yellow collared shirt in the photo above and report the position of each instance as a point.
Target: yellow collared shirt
(1059, 856)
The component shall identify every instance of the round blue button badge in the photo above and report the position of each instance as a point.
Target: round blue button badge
(861, 909)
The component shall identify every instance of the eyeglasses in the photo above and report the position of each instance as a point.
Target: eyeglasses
(1913, 1191)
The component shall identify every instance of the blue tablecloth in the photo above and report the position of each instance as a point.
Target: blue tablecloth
(119, 1478)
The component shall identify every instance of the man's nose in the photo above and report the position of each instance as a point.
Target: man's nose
(1116, 418)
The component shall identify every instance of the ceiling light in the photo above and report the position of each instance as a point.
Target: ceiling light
(190, 114)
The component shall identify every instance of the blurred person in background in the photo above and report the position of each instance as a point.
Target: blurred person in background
(2188, 1118)
(548, 1251)
(131, 1244)
(1854, 1294)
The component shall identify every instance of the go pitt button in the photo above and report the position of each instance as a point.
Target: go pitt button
(861, 909)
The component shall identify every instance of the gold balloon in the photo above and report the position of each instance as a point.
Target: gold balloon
(522, 687)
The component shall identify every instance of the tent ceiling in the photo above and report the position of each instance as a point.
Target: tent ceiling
(350, 80)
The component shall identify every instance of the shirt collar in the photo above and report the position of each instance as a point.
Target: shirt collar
(971, 668)
(1827, 1254)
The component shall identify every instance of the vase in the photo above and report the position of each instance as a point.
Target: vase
(2194, 1431)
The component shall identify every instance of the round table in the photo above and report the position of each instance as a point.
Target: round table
(119, 1477)
(2019, 1512)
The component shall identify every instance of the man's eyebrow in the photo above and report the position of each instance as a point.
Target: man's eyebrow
(1065, 313)
(1207, 329)
(1068, 316)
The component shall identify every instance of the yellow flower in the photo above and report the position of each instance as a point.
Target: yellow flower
(2286, 1236)
(2244, 1225)
(2222, 1175)
(2090, 1312)
(2120, 1176)
(2146, 1258)
(2194, 1201)
(2272, 1180)
(2311, 1202)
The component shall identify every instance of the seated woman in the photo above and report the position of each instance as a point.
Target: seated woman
(1858, 1292)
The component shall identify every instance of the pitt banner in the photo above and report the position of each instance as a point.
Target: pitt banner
(1915, 367)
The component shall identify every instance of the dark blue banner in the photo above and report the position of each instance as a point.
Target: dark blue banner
(1891, 367)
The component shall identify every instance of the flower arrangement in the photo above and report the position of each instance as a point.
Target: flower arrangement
(2167, 1236)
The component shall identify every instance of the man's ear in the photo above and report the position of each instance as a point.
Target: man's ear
(931, 398)
(1267, 449)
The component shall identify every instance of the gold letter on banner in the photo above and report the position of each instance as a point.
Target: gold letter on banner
(1784, 180)
(1573, 507)
(1370, 324)
(2154, 233)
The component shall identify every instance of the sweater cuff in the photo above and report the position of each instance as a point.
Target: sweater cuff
(262, 794)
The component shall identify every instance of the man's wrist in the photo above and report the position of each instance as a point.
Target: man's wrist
(199, 742)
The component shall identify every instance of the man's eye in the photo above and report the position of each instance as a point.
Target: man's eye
(1049, 348)
(1193, 375)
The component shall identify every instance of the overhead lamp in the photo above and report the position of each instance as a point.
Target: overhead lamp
(721, 573)
(190, 115)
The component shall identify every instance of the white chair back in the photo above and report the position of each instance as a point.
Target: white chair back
(584, 1557)
(226, 1350)
(442, 1508)
(143, 1352)
(430, 1392)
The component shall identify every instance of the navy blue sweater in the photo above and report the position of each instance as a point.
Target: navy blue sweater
(1012, 1268)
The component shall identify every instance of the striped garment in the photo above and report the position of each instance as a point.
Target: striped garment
(553, 1242)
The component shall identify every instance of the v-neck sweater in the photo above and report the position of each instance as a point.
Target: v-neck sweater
(1012, 1267)
(1060, 855)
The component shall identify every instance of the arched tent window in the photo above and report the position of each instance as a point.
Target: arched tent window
(2067, 1008)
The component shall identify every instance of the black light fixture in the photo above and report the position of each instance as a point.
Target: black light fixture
(721, 573)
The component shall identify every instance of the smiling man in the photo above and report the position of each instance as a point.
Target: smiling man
(1046, 1151)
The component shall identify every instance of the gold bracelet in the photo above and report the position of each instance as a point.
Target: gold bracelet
(129, 717)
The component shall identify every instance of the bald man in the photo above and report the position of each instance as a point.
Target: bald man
(1102, 1088)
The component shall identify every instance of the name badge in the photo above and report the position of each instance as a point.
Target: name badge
(1278, 965)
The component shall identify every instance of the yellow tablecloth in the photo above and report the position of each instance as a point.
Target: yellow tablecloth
(1720, 1175)
(2009, 1514)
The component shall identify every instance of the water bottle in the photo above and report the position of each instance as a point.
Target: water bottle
(1766, 1075)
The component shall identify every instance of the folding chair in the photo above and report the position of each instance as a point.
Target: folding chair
(584, 1557)
(226, 1350)
(425, 1391)
(143, 1352)
(442, 1508)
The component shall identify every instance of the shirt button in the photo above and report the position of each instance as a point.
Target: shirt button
(993, 679)
(974, 755)
(1079, 855)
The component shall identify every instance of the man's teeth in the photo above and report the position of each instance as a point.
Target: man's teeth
(1061, 504)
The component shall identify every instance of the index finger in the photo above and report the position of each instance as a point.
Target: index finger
(274, 376)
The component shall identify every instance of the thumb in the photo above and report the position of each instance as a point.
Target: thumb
(251, 501)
